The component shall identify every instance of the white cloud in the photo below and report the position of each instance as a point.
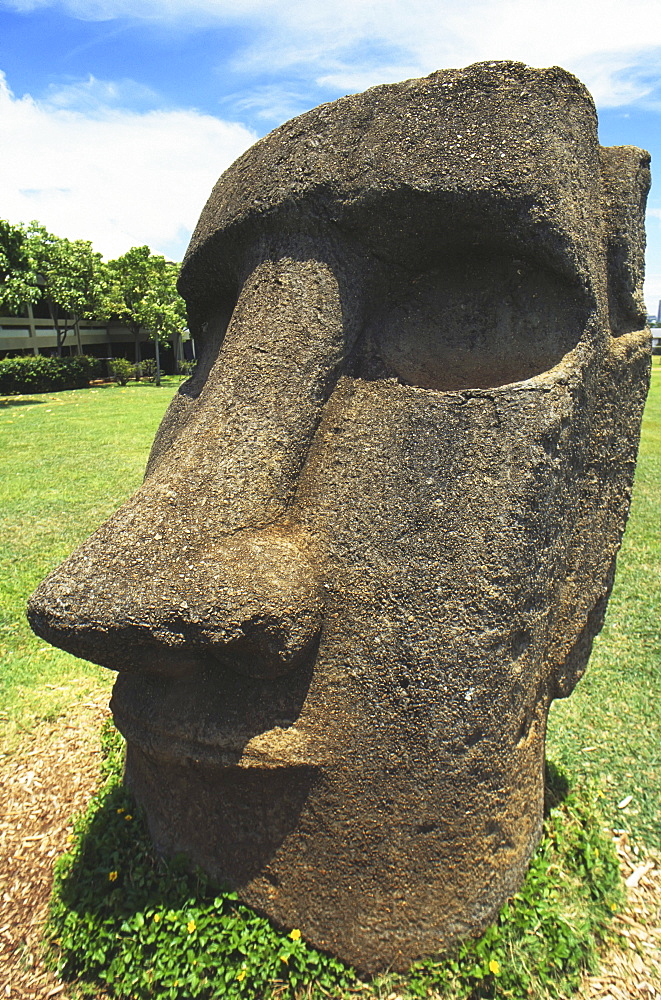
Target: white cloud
(606, 44)
(354, 43)
(103, 173)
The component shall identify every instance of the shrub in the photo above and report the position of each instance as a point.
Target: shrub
(122, 370)
(126, 921)
(37, 373)
(148, 369)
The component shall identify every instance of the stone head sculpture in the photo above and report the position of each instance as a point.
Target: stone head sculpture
(378, 527)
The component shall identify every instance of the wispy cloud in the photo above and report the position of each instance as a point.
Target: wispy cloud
(618, 79)
(181, 11)
(96, 97)
(350, 44)
(89, 169)
(273, 102)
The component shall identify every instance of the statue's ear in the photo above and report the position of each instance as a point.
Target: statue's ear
(625, 172)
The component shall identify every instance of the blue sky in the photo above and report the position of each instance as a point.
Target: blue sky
(117, 116)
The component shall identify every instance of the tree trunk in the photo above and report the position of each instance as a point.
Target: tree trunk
(59, 337)
(136, 336)
(158, 360)
(76, 326)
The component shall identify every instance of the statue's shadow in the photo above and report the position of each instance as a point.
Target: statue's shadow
(117, 872)
(556, 786)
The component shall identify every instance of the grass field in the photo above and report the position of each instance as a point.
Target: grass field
(610, 728)
(68, 459)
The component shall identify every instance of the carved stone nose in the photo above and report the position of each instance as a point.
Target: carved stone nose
(199, 564)
(250, 601)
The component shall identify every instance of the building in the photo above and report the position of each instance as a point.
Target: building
(32, 332)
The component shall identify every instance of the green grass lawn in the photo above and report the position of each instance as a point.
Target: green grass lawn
(610, 728)
(68, 459)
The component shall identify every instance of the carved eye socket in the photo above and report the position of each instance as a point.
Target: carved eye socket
(476, 322)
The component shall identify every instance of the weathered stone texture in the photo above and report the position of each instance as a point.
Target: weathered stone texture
(378, 528)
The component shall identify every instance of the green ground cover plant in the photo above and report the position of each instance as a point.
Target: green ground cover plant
(125, 920)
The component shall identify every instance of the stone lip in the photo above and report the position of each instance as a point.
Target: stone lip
(202, 717)
(239, 824)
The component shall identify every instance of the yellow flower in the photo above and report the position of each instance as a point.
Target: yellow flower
(112, 876)
(128, 817)
(241, 975)
(284, 958)
(157, 917)
(295, 934)
(190, 926)
(120, 810)
(494, 966)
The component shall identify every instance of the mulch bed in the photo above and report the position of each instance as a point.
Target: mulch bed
(632, 969)
(43, 783)
(51, 776)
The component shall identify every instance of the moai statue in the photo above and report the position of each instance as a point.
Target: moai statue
(378, 527)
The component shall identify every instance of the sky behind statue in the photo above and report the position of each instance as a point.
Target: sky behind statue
(117, 116)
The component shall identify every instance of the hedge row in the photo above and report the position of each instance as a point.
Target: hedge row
(38, 373)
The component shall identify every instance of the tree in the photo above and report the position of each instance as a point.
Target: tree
(168, 309)
(130, 280)
(72, 279)
(144, 295)
(139, 287)
(18, 276)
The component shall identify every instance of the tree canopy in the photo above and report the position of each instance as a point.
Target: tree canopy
(18, 279)
(143, 293)
(71, 277)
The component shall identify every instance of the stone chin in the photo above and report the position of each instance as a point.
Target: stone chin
(379, 525)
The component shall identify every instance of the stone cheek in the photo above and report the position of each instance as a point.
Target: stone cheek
(378, 528)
